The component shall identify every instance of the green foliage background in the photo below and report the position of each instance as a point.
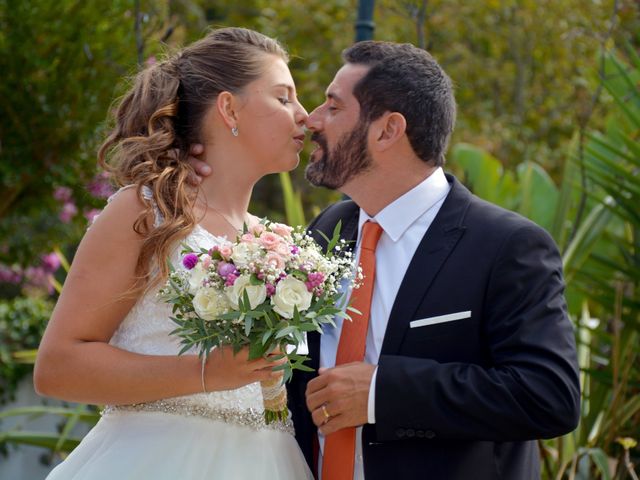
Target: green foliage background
(549, 125)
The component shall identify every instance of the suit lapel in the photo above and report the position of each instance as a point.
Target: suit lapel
(434, 248)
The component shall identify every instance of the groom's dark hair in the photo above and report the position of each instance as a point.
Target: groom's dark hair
(405, 79)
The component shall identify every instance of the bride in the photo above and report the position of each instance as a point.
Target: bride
(108, 342)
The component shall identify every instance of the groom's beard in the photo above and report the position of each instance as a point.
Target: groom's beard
(349, 158)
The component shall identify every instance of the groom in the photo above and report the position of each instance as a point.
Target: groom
(463, 354)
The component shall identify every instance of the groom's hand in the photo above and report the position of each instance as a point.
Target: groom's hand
(201, 168)
(343, 391)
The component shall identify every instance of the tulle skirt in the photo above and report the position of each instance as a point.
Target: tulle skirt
(159, 446)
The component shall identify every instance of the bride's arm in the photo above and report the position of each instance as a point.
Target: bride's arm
(75, 361)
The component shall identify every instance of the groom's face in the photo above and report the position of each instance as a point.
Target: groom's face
(340, 135)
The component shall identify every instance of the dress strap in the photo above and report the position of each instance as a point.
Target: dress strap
(147, 194)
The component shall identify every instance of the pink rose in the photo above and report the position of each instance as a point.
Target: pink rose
(248, 238)
(281, 229)
(275, 261)
(257, 229)
(283, 250)
(269, 240)
(225, 250)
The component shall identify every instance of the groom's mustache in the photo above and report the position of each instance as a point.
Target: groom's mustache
(320, 140)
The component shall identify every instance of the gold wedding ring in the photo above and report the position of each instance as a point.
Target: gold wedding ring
(325, 413)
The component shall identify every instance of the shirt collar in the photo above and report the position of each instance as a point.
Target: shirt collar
(400, 214)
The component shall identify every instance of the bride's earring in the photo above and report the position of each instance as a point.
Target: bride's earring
(234, 131)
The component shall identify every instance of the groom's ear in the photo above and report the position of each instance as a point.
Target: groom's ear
(226, 106)
(387, 130)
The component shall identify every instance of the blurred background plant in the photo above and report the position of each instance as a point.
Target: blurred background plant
(549, 119)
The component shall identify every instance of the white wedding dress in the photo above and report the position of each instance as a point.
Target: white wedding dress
(217, 435)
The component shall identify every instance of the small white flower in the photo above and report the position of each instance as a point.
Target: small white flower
(196, 277)
(244, 254)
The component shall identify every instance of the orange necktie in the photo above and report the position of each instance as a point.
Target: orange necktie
(338, 460)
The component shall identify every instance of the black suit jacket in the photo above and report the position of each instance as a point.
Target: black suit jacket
(465, 399)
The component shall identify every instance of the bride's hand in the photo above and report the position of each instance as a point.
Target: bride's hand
(226, 371)
(201, 168)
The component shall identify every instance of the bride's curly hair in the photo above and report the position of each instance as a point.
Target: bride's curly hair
(157, 121)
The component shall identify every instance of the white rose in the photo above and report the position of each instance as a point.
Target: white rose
(243, 254)
(196, 276)
(257, 293)
(291, 292)
(209, 303)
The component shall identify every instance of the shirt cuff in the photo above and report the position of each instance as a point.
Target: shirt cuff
(371, 404)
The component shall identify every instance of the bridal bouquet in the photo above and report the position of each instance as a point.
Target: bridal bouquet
(264, 291)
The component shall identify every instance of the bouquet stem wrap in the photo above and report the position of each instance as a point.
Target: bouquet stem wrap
(274, 398)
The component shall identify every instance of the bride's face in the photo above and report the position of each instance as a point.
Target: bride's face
(271, 120)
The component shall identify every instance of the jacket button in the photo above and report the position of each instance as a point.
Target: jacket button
(400, 433)
(429, 434)
(420, 433)
(411, 433)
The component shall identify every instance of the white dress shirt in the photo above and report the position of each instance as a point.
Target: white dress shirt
(404, 221)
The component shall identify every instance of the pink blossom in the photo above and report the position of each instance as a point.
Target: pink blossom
(100, 187)
(206, 261)
(248, 238)
(231, 279)
(269, 240)
(281, 229)
(68, 211)
(315, 278)
(271, 289)
(225, 250)
(151, 61)
(283, 250)
(257, 229)
(275, 261)
(92, 214)
(50, 262)
(40, 278)
(10, 275)
(62, 194)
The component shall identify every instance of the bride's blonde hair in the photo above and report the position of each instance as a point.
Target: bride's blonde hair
(157, 121)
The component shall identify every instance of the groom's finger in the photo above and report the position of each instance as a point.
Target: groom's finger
(200, 168)
(316, 392)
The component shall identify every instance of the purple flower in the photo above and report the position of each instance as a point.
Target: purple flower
(69, 210)
(100, 187)
(50, 262)
(315, 278)
(38, 277)
(271, 289)
(294, 249)
(10, 275)
(91, 215)
(62, 194)
(190, 260)
(225, 269)
(231, 279)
